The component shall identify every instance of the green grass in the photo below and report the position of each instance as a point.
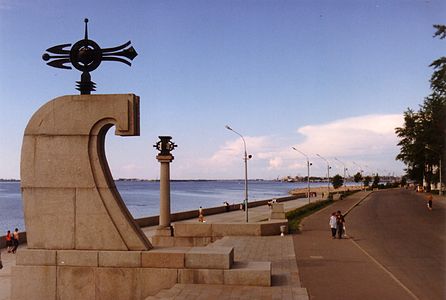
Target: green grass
(295, 216)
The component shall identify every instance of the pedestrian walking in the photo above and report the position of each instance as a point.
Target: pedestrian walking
(333, 225)
(340, 221)
(200, 214)
(429, 199)
(15, 240)
(226, 206)
(9, 241)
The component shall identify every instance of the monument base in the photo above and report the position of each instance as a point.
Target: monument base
(164, 231)
(83, 274)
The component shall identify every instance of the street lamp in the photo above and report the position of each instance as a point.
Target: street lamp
(360, 171)
(345, 169)
(440, 192)
(308, 172)
(328, 171)
(246, 157)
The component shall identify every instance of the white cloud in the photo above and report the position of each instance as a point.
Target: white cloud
(233, 150)
(364, 135)
(275, 163)
(367, 140)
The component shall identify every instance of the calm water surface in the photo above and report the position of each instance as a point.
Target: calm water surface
(142, 198)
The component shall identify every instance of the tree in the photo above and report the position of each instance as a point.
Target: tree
(337, 181)
(423, 135)
(403, 181)
(367, 180)
(375, 181)
(358, 177)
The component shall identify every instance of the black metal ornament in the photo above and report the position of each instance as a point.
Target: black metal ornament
(86, 55)
(165, 145)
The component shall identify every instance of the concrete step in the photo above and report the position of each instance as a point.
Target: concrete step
(210, 291)
(251, 273)
(209, 258)
(241, 273)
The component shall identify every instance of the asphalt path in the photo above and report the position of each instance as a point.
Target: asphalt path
(400, 233)
(395, 249)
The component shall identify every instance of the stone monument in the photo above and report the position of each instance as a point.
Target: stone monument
(82, 241)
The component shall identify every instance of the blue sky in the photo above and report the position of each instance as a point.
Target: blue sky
(326, 77)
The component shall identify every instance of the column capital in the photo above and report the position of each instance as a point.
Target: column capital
(164, 158)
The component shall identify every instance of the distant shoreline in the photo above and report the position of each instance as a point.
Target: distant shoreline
(174, 180)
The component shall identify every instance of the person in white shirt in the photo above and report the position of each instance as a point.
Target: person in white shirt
(333, 224)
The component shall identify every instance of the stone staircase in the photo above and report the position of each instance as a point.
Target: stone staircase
(259, 268)
(209, 291)
(209, 265)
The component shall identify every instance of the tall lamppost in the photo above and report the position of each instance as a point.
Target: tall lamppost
(245, 158)
(308, 172)
(360, 172)
(440, 192)
(328, 171)
(345, 169)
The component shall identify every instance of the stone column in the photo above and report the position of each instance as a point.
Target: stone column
(165, 158)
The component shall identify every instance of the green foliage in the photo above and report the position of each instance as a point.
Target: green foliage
(358, 177)
(337, 181)
(375, 181)
(422, 136)
(295, 216)
(367, 180)
(403, 180)
(441, 31)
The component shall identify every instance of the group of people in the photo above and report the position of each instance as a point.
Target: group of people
(12, 240)
(12, 243)
(337, 224)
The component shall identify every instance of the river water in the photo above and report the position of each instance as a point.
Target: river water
(142, 197)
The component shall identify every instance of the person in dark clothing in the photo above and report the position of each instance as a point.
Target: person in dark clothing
(340, 224)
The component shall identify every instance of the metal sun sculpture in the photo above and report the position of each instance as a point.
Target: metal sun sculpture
(165, 145)
(86, 55)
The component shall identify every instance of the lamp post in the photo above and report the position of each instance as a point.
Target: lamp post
(245, 158)
(440, 192)
(308, 172)
(360, 172)
(345, 169)
(328, 171)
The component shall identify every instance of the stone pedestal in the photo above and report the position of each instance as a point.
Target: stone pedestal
(277, 211)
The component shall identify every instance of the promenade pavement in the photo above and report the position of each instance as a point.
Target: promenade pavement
(279, 250)
(339, 268)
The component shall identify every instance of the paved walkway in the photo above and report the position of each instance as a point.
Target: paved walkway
(340, 269)
(255, 214)
(278, 250)
(8, 260)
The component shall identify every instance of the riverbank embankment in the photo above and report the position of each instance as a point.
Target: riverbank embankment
(186, 215)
